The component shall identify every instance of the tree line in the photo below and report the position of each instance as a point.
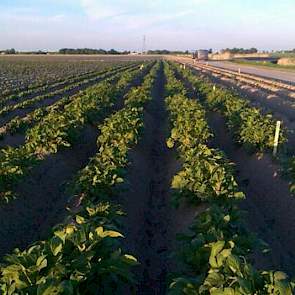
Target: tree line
(90, 51)
(236, 50)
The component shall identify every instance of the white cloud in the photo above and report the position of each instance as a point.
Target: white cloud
(136, 15)
(97, 10)
(106, 10)
(25, 16)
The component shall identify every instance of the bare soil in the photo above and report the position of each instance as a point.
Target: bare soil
(42, 195)
(17, 139)
(48, 101)
(151, 223)
(13, 140)
(269, 207)
(282, 107)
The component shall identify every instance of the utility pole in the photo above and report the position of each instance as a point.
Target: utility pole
(143, 45)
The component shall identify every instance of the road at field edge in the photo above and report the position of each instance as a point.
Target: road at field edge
(286, 76)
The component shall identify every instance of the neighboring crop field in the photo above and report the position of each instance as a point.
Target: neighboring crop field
(131, 176)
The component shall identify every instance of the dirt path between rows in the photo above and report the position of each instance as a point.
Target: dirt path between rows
(151, 223)
(42, 199)
(270, 209)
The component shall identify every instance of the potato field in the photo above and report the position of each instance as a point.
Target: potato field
(140, 176)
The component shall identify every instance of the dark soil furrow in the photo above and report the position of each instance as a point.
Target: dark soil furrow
(146, 202)
(269, 207)
(42, 195)
(282, 107)
(49, 89)
(48, 101)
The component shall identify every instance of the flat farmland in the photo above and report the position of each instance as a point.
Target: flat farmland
(135, 175)
(21, 71)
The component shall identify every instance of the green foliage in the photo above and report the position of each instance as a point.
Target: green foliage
(60, 127)
(188, 122)
(84, 255)
(80, 257)
(205, 175)
(213, 254)
(249, 126)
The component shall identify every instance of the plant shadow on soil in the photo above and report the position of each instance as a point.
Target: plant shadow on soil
(269, 207)
(42, 195)
(281, 107)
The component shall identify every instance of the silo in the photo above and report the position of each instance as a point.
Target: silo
(203, 54)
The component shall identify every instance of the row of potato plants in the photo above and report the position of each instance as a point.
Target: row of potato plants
(249, 126)
(84, 255)
(20, 75)
(62, 83)
(15, 94)
(21, 124)
(60, 128)
(214, 254)
(18, 95)
(29, 102)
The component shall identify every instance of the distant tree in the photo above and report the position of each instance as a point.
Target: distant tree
(10, 51)
(236, 50)
(89, 51)
(113, 51)
(165, 51)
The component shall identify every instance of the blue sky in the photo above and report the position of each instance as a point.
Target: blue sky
(171, 24)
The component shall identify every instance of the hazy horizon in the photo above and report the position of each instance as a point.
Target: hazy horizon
(121, 24)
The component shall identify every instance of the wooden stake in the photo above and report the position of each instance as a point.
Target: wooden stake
(276, 140)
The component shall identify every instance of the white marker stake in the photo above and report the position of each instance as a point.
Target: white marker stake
(184, 66)
(276, 140)
(239, 71)
(214, 87)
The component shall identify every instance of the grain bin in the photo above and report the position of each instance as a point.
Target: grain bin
(202, 54)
